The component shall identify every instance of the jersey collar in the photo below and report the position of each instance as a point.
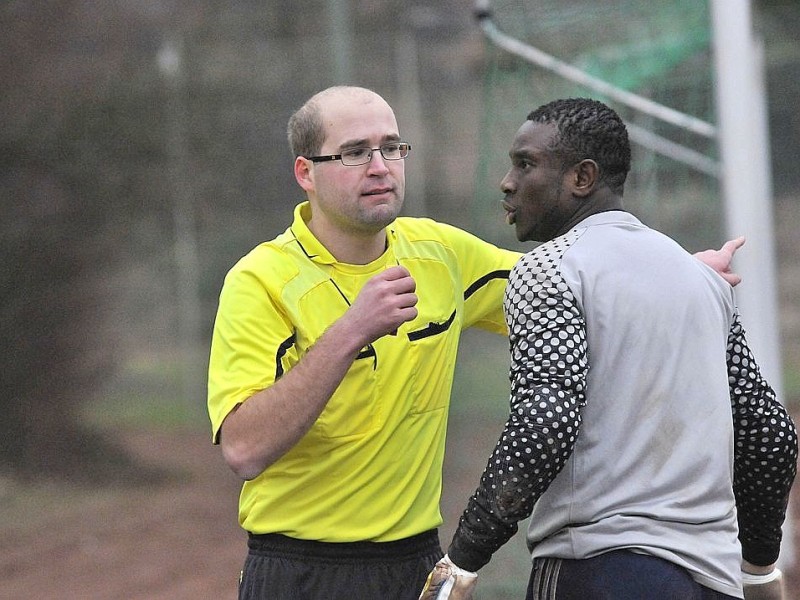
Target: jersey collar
(307, 240)
(313, 248)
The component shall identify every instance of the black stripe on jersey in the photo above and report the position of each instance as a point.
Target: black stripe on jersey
(502, 274)
(431, 329)
(301, 246)
(282, 350)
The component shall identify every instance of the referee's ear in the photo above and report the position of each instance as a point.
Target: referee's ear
(304, 173)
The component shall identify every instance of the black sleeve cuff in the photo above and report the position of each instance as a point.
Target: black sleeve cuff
(466, 556)
(761, 555)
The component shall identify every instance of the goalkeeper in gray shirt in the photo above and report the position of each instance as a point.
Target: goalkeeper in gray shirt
(654, 458)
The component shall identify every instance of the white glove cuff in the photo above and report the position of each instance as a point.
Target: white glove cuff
(750, 579)
(456, 570)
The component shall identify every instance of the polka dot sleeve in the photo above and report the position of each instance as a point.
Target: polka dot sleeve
(548, 376)
(765, 454)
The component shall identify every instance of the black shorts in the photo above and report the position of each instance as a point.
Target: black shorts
(283, 568)
(617, 575)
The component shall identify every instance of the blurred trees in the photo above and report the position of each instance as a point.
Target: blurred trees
(61, 139)
(58, 243)
(80, 160)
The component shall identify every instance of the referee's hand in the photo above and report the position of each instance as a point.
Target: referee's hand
(721, 260)
(385, 302)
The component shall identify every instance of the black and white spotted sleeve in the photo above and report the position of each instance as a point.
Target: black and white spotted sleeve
(765, 454)
(549, 365)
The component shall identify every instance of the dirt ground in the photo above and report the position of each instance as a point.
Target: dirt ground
(178, 540)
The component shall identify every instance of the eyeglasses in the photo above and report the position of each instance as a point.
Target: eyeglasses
(360, 156)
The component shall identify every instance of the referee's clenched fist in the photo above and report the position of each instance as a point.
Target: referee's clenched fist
(384, 303)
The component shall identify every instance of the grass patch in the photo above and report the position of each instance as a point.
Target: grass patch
(150, 391)
(24, 505)
(791, 385)
(480, 387)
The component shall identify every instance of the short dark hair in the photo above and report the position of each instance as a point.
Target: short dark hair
(589, 129)
(306, 129)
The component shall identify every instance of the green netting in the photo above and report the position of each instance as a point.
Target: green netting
(660, 50)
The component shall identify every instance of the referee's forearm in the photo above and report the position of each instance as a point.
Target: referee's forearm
(268, 424)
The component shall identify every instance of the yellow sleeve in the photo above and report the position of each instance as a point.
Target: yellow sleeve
(252, 338)
(484, 270)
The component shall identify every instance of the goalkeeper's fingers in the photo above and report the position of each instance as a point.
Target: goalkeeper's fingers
(447, 581)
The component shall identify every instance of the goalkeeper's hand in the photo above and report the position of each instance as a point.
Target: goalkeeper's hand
(768, 586)
(449, 582)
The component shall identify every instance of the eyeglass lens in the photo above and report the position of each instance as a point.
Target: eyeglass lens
(360, 156)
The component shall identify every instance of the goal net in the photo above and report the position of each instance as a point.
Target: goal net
(659, 52)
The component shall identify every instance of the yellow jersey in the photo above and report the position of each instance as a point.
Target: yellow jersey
(370, 468)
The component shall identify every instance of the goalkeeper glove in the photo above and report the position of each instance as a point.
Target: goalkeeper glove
(449, 582)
